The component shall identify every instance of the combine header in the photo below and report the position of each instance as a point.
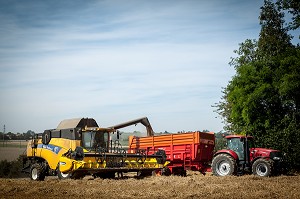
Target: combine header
(79, 147)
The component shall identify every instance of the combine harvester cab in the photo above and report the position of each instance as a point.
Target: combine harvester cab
(185, 151)
(79, 147)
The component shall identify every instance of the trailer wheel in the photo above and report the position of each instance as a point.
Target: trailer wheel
(179, 171)
(37, 172)
(223, 165)
(262, 167)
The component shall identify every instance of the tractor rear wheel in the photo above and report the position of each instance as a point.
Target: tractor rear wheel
(262, 167)
(37, 172)
(223, 165)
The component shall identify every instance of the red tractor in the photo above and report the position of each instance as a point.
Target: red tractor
(241, 156)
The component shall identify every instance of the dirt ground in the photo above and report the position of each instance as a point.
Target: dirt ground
(194, 185)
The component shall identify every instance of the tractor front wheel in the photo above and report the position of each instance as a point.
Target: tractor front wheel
(37, 172)
(262, 167)
(223, 165)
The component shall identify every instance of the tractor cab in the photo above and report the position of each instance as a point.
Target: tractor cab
(241, 145)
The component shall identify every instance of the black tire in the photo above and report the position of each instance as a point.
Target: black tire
(179, 171)
(262, 167)
(166, 171)
(224, 165)
(37, 172)
(63, 176)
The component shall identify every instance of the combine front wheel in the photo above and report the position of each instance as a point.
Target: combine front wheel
(37, 172)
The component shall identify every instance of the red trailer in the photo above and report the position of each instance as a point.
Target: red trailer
(185, 151)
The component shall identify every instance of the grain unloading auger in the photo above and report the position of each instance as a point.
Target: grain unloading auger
(79, 147)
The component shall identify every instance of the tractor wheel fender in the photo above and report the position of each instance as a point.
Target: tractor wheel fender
(37, 172)
(263, 167)
(259, 157)
(224, 164)
(228, 152)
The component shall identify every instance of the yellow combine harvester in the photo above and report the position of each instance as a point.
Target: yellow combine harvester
(79, 147)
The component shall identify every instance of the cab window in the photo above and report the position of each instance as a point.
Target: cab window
(92, 140)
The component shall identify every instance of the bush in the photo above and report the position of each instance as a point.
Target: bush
(11, 169)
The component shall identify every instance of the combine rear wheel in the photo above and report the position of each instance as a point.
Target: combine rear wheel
(62, 175)
(37, 172)
(223, 165)
(262, 167)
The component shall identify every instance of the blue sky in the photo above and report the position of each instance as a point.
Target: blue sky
(119, 60)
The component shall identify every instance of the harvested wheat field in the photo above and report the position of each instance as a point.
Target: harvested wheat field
(192, 186)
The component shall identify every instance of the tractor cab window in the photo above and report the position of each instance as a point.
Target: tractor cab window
(95, 139)
(237, 145)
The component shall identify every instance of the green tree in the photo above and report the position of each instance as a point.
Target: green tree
(263, 97)
(293, 7)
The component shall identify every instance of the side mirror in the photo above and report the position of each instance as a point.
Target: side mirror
(118, 134)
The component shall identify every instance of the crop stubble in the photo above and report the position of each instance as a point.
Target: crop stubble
(194, 185)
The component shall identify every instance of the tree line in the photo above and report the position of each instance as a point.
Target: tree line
(263, 97)
(16, 136)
